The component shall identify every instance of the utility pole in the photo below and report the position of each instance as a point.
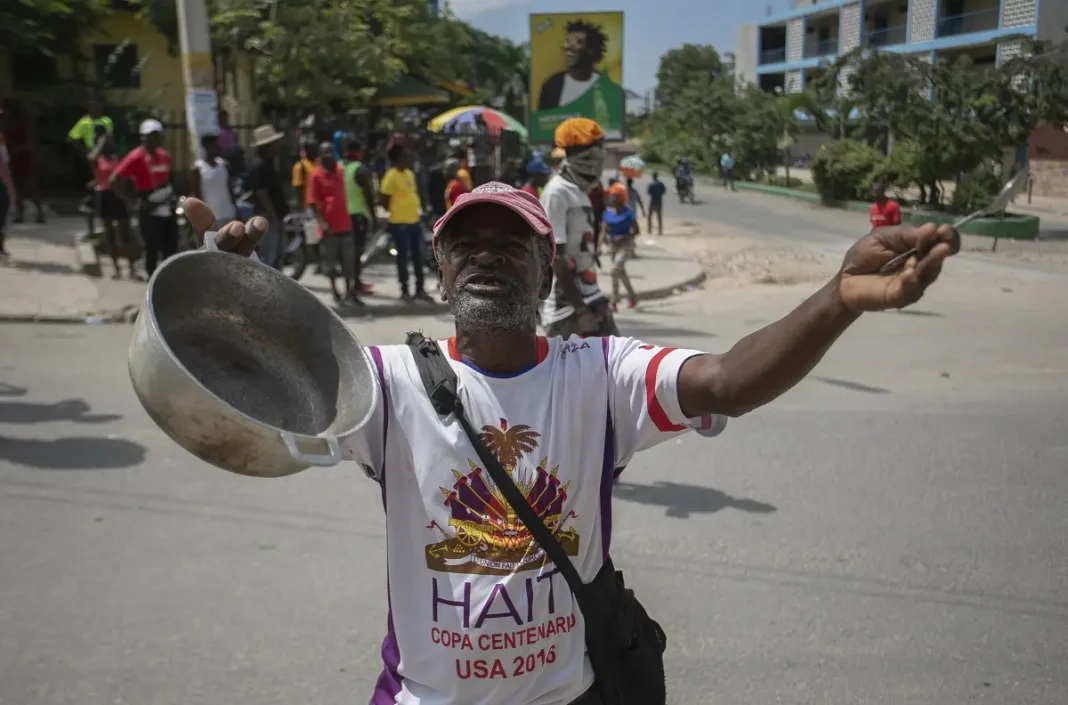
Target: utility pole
(198, 71)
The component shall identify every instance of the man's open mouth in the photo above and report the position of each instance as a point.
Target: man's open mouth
(485, 284)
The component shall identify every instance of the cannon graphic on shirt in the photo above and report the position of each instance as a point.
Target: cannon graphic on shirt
(483, 533)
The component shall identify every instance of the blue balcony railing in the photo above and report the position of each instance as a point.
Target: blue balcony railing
(823, 47)
(773, 56)
(979, 21)
(887, 36)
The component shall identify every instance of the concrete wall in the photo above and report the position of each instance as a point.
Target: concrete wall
(795, 39)
(849, 27)
(745, 54)
(922, 20)
(1053, 16)
(794, 82)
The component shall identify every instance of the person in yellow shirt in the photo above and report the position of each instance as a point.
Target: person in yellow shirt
(84, 132)
(400, 197)
(302, 171)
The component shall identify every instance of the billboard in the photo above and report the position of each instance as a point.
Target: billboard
(576, 70)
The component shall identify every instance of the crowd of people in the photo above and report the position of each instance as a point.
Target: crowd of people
(335, 195)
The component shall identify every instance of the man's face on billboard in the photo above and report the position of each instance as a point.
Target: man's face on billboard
(576, 51)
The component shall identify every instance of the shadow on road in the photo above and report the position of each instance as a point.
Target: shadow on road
(45, 267)
(682, 500)
(10, 390)
(918, 312)
(67, 410)
(75, 453)
(853, 386)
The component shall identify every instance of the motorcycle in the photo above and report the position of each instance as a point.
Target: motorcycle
(684, 187)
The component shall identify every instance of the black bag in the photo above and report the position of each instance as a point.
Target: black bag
(626, 647)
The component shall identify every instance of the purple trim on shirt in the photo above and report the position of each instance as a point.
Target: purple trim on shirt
(389, 681)
(376, 355)
(608, 462)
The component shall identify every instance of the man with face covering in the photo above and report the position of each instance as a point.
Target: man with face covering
(490, 620)
(576, 304)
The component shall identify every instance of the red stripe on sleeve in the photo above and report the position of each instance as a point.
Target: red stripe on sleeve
(656, 412)
(541, 350)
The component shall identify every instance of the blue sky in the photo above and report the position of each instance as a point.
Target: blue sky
(651, 27)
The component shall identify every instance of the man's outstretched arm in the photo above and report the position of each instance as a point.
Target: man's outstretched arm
(765, 364)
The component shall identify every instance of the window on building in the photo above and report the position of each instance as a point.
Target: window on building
(31, 70)
(116, 65)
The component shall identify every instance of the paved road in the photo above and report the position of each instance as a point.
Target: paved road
(892, 531)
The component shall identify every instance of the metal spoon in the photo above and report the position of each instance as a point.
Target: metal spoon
(1007, 193)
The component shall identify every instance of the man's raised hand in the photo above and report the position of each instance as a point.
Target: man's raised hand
(237, 237)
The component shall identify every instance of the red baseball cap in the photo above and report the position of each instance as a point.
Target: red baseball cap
(525, 205)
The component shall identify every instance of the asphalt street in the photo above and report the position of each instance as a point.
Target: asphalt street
(893, 531)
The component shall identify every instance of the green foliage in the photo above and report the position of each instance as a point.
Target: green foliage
(976, 189)
(498, 70)
(699, 115)
(843, 170)
(340, 51)
(47, 26)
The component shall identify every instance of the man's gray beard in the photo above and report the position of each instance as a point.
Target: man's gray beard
(516, 310)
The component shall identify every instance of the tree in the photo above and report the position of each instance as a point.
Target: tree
(696, 103)
(47, 26)
(498, 70)
(339, 51)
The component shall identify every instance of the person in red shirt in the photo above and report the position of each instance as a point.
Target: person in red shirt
(104, 158)
(337, 249)
(148, 170)
(455, 186)
(884, 211)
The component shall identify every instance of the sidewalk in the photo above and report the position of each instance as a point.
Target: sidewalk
(44, 283)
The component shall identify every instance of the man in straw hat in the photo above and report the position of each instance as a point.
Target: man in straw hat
(477, 614)
(269, 198)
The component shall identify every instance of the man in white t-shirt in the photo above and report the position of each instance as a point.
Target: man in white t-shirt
(576, 305)
(477, 614)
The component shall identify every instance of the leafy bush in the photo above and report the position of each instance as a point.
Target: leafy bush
(843, 170)
(976, 189)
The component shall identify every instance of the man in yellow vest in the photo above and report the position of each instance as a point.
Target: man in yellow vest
(360, 198)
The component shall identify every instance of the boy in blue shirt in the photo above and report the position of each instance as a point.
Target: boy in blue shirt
(620, 226)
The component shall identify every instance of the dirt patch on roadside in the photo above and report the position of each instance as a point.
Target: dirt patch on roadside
(734, 258)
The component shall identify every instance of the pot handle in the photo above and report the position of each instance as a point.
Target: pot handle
(331, 458)
(211, 246)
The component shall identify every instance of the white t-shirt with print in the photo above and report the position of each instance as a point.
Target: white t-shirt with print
(571, 216)
(477, 617)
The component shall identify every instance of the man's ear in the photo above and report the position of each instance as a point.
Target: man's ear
(546, 283)
(441, 286)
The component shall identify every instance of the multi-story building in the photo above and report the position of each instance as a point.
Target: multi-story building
(785, 52)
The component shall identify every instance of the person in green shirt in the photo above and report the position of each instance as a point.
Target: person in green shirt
(84, 138)
(360, 198)
(83, 134)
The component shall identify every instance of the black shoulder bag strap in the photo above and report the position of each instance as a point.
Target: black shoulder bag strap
(441, 386)
(625, 646)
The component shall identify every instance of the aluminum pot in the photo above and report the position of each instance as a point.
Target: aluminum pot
(246, 369)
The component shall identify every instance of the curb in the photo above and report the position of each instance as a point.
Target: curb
(1015, 226)
(665, 292)
(128, 314)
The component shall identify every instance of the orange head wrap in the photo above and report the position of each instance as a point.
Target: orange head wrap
(578, 132)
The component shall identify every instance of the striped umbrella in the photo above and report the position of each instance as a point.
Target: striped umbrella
(496, 120)
(632, 167)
